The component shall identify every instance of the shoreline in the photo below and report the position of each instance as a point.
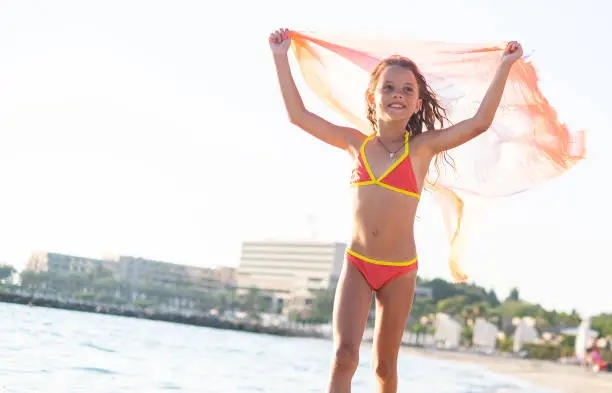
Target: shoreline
(247, 325)
(566, 378)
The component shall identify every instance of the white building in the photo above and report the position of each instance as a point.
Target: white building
(290, 270)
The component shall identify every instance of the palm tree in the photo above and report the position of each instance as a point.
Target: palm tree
(418, 329)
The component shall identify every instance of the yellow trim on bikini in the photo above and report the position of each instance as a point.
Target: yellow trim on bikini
(389, 170)
(384, 263)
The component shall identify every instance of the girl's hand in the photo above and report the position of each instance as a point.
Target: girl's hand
(280, 41)
(513, 52)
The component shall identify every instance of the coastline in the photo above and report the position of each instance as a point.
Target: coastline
(566, 378)
(186, 318)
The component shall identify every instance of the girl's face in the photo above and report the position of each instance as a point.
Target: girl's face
(396, 96)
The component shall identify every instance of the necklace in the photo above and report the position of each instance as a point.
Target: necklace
(391, 153)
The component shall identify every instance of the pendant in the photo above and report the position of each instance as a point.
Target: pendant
(391, 155)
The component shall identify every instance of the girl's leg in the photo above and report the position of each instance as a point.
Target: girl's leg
(351, 308)
(393, 304)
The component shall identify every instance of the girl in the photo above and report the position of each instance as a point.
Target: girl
(389, 169)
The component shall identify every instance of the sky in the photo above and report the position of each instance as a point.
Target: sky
(156, 129)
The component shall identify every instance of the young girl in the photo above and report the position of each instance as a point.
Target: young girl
(390, 166)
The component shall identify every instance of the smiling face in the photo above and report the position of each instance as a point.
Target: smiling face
(395, 96)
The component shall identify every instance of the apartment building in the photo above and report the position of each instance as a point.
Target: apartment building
(289, 272)
(66, 264)
(139, 271)
(136, 271)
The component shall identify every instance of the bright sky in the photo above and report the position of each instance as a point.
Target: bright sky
(156, 129)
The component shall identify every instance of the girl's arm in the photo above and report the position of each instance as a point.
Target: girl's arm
(341, 137)
(468, 129)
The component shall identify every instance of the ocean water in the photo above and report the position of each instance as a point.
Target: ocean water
(57, 351)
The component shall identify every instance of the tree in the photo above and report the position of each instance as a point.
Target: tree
(250, 300)
(467, 334)
(6, 273)
(453, 305)
(441, 289)
(422, 307)
(322, 306)
(517, 308)
(419, 330)
(514, 295)
(226, 299)
(602, 323)
(492, 298)
(32, 280)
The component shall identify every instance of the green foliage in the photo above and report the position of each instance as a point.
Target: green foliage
(322, 306)
(518, 308)
(6, 273)
(144, 303)
(86, 296)
(492, 298)
(422, 307)
(568, 342)
(506, 345)
(467, 334)
(419, 330)
(542, 351)
(441, 289)
(453, 305)
(603, 324)
(514, 295)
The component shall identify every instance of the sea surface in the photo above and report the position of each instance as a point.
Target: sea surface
(57, 351)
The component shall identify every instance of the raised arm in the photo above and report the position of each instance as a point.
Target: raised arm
(468, 129)
(341, 137)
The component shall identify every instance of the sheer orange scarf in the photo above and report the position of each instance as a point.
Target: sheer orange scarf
(526, 145)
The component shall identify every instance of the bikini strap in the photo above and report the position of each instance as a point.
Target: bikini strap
(365, 140)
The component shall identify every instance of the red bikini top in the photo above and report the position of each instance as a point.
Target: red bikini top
(398, 177)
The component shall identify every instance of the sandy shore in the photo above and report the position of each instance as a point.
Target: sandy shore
(564, 378)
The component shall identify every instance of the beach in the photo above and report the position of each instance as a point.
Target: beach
(563, 377)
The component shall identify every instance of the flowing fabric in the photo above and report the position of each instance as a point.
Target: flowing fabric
(525, 146)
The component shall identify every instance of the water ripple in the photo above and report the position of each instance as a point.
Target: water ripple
(94, 370)
(55, 351)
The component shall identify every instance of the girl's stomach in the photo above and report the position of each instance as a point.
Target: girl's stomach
(383, 224)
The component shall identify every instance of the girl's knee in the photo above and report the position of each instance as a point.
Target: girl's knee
(385, 369)
(346, 357)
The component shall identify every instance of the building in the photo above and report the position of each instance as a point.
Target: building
(136, 271)
(290, 270)
(423, 292)
(140, 271)
(68, 264)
